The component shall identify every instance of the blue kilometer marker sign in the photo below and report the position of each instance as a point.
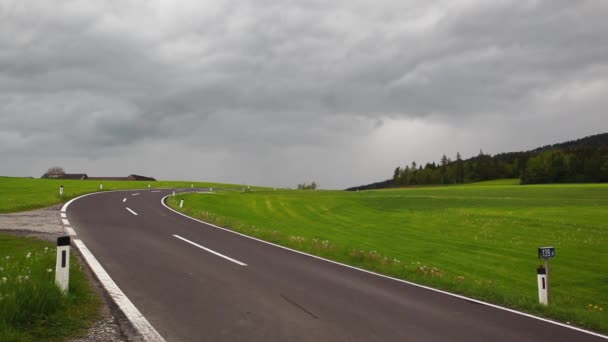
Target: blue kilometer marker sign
(546, 252)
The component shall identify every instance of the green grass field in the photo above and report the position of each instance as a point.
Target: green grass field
(476, 240)
(31, 307)
(18, 194)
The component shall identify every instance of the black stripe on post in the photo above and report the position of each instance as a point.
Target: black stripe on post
(544, 283)
(63, 241)
(63, 257)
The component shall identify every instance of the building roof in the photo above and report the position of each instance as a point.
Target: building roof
(83, 176)
(141, 178)
(66, 176)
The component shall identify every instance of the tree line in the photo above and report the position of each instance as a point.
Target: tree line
(304, 186)
(578, 161)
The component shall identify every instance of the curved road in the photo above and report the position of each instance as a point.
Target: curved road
(195, 282)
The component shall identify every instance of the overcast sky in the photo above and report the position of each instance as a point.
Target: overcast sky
(281, 92)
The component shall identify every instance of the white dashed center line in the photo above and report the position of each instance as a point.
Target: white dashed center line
(210, 251)
(131, 211)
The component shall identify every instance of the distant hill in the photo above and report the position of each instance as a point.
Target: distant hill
(583, 160)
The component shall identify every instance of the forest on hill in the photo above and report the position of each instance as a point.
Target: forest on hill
(578, 161)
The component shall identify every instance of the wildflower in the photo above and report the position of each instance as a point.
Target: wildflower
(26, 277)
(4, 280)
(49, 270)
(29, 254)
(7, 257)
(1, 268)
(46, 249)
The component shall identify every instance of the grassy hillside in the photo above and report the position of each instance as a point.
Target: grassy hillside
(479, 240)
(18, 194)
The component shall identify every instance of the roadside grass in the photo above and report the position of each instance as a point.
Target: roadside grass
(496, 182)
(18, 194)
(32, 308)
(479, 241)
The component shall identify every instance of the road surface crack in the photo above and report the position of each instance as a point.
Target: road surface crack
(299, 307)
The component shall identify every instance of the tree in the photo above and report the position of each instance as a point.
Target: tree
(396, 175)
(444, 168)
(55, 171)
(459, 169)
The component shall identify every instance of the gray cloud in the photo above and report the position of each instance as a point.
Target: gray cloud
(277, 93)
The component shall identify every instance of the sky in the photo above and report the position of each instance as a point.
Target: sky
(277, 93)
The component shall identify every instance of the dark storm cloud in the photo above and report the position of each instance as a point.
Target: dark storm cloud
(258, 80)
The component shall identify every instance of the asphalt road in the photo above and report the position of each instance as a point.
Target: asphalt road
(191, 294)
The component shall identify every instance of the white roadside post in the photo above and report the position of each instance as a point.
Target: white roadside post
(61, 190)
(148, 186)
(100, 186)
(191, 186)
(181, 203)
(173, 192)
(210, 189)
(543, 290)
(543, 274)
(62, 267)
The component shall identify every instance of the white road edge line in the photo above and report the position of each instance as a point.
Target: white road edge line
(70, 231)
(65, 222)
(63, 215)
(132, 212)
(155, 191)
(135, 194)
(210, 251)
(133, 314)
(395, 279)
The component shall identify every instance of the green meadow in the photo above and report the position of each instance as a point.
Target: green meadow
(32, 308)
(18, 194)
(477, 240)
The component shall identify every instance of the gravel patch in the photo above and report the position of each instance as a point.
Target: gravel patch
(42, 223)
(46, 224)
